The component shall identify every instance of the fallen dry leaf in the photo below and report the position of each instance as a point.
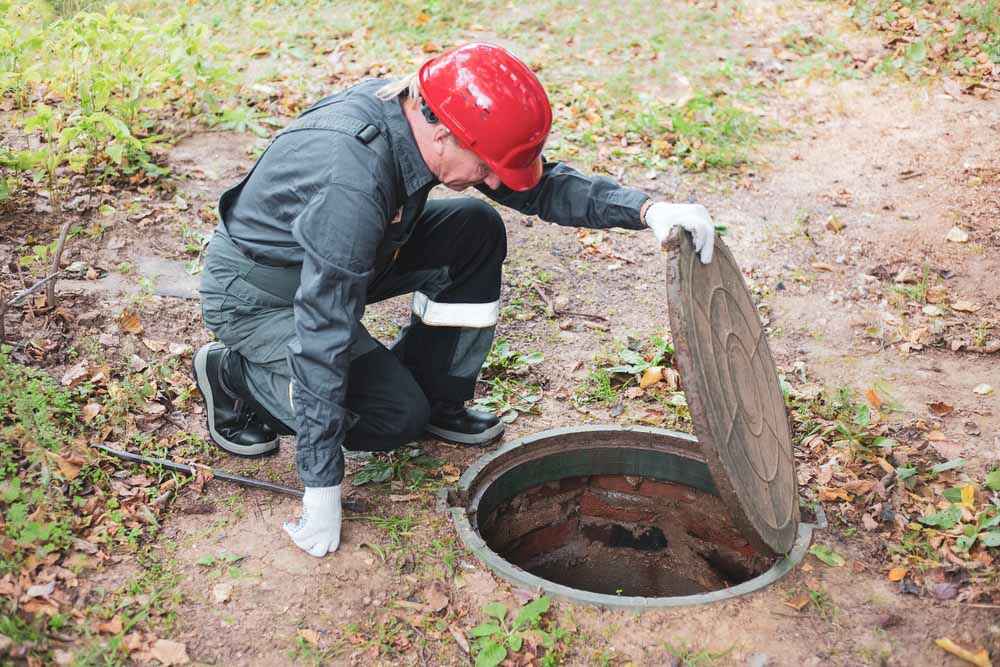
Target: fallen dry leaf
(933, 311)
(169, 652)
(651, 376)
(129, 322)
(75, 373)
(969, 496)
(957, 235)
(947, 450)
(829, 495)
(69, 468)
(90, 410)
(897, 573)
(41, 590)
(798, 602)
(936, 294)
(980, 658)
(460, 639)
(940, 409)
(965, 307)
(436, 597)
(112, 627)
(874, 399)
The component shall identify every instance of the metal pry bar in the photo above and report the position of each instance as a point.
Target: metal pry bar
(349, 504)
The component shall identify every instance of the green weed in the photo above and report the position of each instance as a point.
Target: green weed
(117, 79)
(508, 396)
(499, 636)
(503, 360)
(623, 368)
(409, 466)
(690, 657)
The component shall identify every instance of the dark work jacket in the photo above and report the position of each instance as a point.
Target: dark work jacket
(327, 201)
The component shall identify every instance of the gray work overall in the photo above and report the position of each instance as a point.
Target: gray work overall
(454, 254)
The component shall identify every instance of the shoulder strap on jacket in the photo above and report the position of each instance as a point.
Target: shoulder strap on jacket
(364, 132)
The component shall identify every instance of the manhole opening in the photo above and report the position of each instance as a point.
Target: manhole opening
(624, 535)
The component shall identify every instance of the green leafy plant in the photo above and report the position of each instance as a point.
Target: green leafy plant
(117, 81)
(504, 360)
(510, 398)
(410, 466)
(633, 362)
(827, 555)
(500, 635)
(986, 530)
(622, 368)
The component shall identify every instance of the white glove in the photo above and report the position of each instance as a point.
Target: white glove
(317, 532)
(661, 217)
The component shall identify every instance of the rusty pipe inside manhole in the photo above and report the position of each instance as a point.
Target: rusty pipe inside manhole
(610, 516)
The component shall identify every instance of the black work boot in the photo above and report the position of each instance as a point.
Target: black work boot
(456, 423)
(233, 422)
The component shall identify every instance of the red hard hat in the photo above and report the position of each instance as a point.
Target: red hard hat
(495, 107)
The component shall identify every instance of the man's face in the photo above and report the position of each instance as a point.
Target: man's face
(460, 168)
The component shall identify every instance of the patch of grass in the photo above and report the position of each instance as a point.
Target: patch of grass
(821, 601)
(691, 657)
(599, 387)
(398, 529)
(112, 75)
(624, 368)
(929, 37)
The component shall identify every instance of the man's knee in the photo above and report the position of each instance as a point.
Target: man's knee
(487, 226)
(409, 421)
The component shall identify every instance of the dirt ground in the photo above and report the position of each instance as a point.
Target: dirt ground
(818, 322)
(898, 165)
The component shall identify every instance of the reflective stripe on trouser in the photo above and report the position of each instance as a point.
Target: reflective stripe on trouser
(452, 264)
(453, 258)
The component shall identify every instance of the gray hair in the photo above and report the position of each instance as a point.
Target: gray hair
(407, 86)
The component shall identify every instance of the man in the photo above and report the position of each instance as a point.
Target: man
(335, 215)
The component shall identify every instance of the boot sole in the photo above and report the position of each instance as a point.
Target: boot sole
(205, 387)
(486, 437)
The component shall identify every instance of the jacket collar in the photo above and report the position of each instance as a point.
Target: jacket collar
(416, 174)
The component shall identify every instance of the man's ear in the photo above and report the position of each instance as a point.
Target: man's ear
(441, 137)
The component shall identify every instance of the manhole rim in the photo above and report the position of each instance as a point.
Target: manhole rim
(523, 579)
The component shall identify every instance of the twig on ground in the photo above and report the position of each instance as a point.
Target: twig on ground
(50, 294)
(573, 313)
(552, 311)
(19, 296)
(990, 348)
(550, 308)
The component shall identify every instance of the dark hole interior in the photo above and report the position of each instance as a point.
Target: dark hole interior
(623, 535)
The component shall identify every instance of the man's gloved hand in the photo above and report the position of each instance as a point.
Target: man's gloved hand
(661, 218)
(318, 530)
